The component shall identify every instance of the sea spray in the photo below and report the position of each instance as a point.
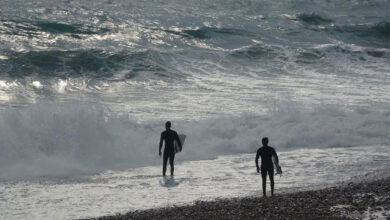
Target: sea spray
(65, 139)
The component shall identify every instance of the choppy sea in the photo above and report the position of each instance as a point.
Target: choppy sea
(86, 87)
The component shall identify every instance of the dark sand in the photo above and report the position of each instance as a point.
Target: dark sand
(355, 201)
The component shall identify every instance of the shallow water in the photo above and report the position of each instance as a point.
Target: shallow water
(228, 176)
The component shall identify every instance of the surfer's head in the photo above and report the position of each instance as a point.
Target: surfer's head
(264, 141)
(167, 124)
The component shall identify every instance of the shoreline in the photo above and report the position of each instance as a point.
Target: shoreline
(365, 196)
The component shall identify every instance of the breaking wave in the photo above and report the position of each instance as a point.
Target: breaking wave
(379, 30)
(193, 61)
(51, 139)
(29, 28)
(313, 18)
(209, 32)
(84, 63)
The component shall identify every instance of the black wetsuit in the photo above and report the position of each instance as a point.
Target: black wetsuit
(267, 166)
(169, 151)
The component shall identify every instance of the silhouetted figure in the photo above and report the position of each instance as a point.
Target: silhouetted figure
(266, 153)
(169, 151)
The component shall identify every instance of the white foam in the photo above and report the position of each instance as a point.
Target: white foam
(54, 139)
(37, 84)
(61, 86)
(112, 192)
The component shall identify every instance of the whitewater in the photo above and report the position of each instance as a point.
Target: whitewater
(86, 87)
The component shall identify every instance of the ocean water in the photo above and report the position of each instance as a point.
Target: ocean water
(230, 176)
(86, 87)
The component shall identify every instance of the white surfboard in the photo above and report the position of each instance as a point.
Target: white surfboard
(177, 147)
(278, 168)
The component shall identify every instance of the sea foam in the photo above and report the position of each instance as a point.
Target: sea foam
(51, 139)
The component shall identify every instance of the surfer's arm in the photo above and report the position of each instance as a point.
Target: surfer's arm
(257, 160)
(160, 145)
(276, 157)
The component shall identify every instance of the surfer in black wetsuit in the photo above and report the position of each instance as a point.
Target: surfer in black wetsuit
(266, 153)
(169, 151)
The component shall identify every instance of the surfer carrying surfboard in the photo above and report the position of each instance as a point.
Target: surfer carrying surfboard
(267, 153)
(169, 136)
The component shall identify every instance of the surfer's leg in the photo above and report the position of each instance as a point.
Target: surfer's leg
(271, 179)
(165, 161)
(171, 162)
(264, 178)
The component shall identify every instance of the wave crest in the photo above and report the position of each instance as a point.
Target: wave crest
(88, 63)
(313, 18)
(208, 32)
(27, 28)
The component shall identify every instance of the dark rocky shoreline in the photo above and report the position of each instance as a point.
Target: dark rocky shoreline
(345, 201)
